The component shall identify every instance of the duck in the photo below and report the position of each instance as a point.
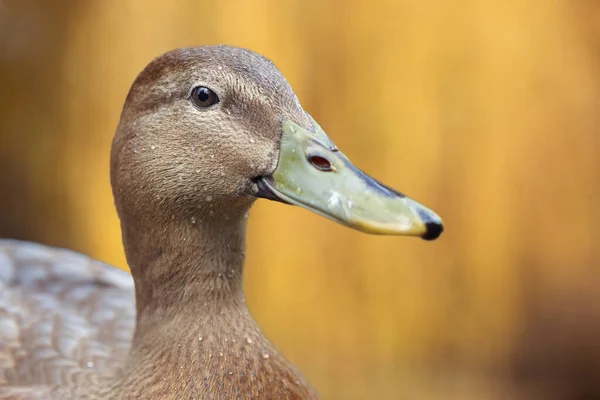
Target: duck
(204, 132)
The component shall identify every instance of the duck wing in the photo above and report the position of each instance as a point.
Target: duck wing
(62, 315)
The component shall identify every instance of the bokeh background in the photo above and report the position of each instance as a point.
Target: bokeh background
(487, 111)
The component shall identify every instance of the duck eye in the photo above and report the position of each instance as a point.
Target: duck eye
(204, 97)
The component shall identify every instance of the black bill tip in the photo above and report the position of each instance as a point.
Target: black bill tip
(433, 226)
(434, 230)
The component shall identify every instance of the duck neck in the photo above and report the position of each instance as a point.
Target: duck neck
(186, 265)
(191, 312)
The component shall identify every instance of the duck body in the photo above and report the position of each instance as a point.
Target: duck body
(67, 323)
(63, 317)
(203, 133)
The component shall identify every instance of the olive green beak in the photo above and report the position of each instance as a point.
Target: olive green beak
(314, 174)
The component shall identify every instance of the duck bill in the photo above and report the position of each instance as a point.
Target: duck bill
(312, 173)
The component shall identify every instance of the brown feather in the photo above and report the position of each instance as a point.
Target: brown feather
(183, 184)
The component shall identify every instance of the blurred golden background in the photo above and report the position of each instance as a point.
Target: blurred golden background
(486, 111)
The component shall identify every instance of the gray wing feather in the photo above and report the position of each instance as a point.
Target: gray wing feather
(62, 315)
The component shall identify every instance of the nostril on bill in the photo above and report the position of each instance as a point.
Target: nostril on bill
(320, 163)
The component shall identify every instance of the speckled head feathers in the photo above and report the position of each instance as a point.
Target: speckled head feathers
(169, 156)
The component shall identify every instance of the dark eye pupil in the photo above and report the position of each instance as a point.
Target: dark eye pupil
(203, 94)
(204, 97)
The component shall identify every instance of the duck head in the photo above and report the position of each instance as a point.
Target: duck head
(206, 131)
